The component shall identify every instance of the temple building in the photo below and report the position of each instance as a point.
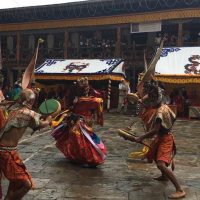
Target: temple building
(99, 29)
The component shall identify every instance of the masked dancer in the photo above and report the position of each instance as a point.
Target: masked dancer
(76, 138)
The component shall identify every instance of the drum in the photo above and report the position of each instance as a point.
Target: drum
(126, 134)
(50, 107)
(132, 97)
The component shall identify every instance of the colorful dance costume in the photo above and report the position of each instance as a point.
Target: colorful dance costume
(76, 139)
(11, 165)
(163, 147)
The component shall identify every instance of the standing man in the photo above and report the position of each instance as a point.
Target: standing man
(123, 91)
(11, 165)
(163, 147)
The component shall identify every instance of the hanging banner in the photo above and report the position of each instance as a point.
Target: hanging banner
(146, 27)
(179, 61)
(81, 66)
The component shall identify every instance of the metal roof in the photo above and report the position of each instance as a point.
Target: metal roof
(91, 8)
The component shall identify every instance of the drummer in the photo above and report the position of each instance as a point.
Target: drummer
(20, 117)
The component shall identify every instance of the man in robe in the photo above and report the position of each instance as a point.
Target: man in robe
(163, 146)
(11, 165)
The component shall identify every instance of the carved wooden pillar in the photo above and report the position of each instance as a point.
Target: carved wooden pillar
(18, 48)
(118, 46)
(66, 38)
(180, 34)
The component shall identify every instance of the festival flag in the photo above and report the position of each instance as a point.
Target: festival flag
(145, 62)
(29, 72)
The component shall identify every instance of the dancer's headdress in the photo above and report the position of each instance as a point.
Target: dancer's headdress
(148, 75)
(27, 97)
(28, 75)
(83, 86)
(153, 92)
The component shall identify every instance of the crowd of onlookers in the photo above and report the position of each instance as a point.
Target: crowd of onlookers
(170, 39)
(183, 100)
(179, 97)
(64, 93)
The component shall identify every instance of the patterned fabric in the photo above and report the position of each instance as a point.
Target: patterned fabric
(166, 115)
(2, 118)
(12, 167)
(5, 148)
(20, 116)
(194, 111)
(80, 144)
(147, 116)
(88, 107)
(163, 146)
(27, 97)
(23, 117)
(162, 149)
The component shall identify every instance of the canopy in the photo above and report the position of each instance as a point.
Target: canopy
(179, 65)
(96, 69)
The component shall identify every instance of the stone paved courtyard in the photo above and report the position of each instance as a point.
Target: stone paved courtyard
(119, 178)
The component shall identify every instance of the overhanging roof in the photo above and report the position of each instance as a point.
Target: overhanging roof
(179, 65)
(95, 69)
(90, 9)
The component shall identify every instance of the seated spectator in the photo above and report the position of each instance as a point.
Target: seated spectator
(173, 40)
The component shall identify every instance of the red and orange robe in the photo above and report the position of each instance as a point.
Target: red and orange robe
(78, 142)
(147, 116)
(89, 107)
(163, 146)
(11, 165)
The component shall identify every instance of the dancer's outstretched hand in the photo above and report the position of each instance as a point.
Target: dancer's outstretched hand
(139, 139)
